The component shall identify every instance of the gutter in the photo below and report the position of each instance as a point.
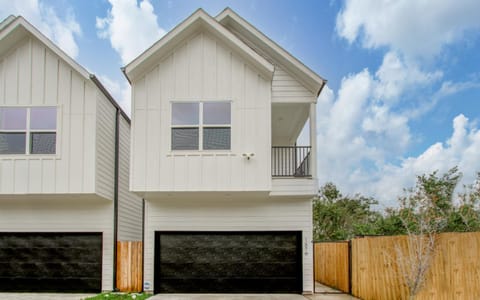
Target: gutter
(321, 87)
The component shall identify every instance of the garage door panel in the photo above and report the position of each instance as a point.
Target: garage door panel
(262, 262)
(49, 262)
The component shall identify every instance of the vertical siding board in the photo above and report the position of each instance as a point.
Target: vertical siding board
(152, 153)
(11, 76)
(62, 181)
(7, 176)
(224, 70)
(38, 71)
(2, 81)
(181, 72)
(21, 176)
(24, 73)
(35, 177)
(48, 176)
(139, 148)
(195, 64)
(209, 66)
(51, 78)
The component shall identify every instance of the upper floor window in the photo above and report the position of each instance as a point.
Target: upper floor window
(201, 125)
(28, 130)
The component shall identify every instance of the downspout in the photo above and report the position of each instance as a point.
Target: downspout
(115, 197)
(143, 242)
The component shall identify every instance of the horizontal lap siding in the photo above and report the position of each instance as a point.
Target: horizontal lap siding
(64, 215)
(105, 158)
(129, 205)
(230, 215)
(31, 75)
(286, 88)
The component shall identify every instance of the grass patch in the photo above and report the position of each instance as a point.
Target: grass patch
(120, 296)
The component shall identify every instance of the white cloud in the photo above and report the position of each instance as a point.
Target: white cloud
(396, 75)
(131, 27)
(61, 30)
(363, 134)
(413, 27)
(120, 90)
(461, 150)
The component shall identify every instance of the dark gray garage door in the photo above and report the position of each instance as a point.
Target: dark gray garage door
(51, 262)
(228, 262)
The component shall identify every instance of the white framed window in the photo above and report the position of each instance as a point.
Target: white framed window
(202, 125)
(28, 130)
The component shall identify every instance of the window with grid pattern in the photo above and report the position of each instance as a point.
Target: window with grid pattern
(28, 130)
(201, 125)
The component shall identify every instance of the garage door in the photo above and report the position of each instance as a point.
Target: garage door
(50, 262)
(228, 262)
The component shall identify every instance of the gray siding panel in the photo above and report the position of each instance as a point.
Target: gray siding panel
(129, 204)
(105, 158)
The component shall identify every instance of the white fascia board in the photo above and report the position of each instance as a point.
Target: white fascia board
(309, 78)
(198, 20)
(19, 21)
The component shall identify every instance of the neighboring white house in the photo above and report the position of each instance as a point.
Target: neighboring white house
(64, 167)
(216, 112)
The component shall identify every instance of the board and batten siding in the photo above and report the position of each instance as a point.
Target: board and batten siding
(130, 214)
(255, 214)
(105, 158)
(32, 75)
(201, 68)
(19, 214)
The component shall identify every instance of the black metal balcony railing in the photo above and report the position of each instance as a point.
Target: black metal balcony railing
(291, 161)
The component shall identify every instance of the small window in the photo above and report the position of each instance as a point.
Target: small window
(201, 125)
(28, 130)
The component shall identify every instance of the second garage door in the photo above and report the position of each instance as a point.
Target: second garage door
(228, 262)
(50, 262)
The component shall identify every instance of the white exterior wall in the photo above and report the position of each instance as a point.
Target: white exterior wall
(130, 214)
(286, 89)
(243, 214)
(63, 215)
(32, 75)
(201, 69)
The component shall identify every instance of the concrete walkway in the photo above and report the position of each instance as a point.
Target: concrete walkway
(43, 296)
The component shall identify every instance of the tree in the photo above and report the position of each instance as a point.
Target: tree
(424, 212)
(338, 217)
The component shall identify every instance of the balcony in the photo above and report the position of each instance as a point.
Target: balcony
(291, 161)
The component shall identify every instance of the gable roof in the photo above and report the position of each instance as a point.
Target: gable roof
(198, 20)
(14, 29)
(311, 80)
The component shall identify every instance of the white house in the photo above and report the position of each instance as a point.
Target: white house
(217, 109)
(64, 167)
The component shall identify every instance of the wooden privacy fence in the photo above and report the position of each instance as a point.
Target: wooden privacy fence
(454, 271)
(332, 263)
(129, 266)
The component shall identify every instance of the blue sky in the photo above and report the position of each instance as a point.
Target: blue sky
(403, 93)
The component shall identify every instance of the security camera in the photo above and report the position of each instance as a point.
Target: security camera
(248, 155)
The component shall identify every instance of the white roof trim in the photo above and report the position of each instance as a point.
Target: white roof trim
(197, 20)
(308, 77)
(20, 21)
